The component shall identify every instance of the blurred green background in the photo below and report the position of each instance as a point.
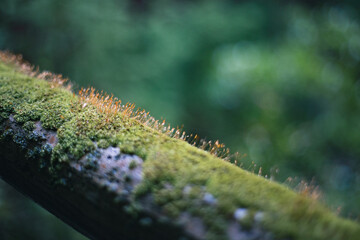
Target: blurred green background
(276, 80)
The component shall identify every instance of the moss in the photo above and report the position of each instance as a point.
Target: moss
(102, 143)
(29, 126)
(171, 165)
(132, 165)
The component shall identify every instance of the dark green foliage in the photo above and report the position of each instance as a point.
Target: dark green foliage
(276, 81)
(23, 219)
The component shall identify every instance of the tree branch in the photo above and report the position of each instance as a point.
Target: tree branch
(111, 176)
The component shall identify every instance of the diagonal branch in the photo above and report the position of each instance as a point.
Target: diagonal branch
(110, 176)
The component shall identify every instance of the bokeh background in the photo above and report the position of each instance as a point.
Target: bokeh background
(278, 81)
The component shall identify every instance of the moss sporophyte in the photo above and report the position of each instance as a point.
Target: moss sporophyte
(184, 179)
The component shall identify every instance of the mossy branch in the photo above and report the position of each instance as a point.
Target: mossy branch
(111, 176)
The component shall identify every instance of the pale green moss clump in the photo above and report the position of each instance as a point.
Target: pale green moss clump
(168, 162)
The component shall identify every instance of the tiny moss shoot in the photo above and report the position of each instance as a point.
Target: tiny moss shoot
(180, 176)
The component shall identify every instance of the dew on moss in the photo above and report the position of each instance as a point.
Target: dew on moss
(20, 139)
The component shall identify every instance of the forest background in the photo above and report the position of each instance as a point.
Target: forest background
(276, 81)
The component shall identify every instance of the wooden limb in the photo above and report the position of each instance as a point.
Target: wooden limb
(92, 195)
(113, 173)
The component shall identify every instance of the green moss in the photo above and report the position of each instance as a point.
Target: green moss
(102, 143)
(171, 166)
(132, 165)
(29, 126)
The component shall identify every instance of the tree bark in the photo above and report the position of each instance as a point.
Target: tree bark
(112, 174)
(84, 196)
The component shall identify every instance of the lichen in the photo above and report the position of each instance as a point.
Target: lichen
(176, 173)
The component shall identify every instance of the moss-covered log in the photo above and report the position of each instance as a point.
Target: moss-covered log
(110, 176)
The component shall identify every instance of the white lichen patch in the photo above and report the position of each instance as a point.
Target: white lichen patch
(240, 214)
(209, 199)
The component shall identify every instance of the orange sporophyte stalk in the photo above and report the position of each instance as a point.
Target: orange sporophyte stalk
(25, 67)
(110, 106)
